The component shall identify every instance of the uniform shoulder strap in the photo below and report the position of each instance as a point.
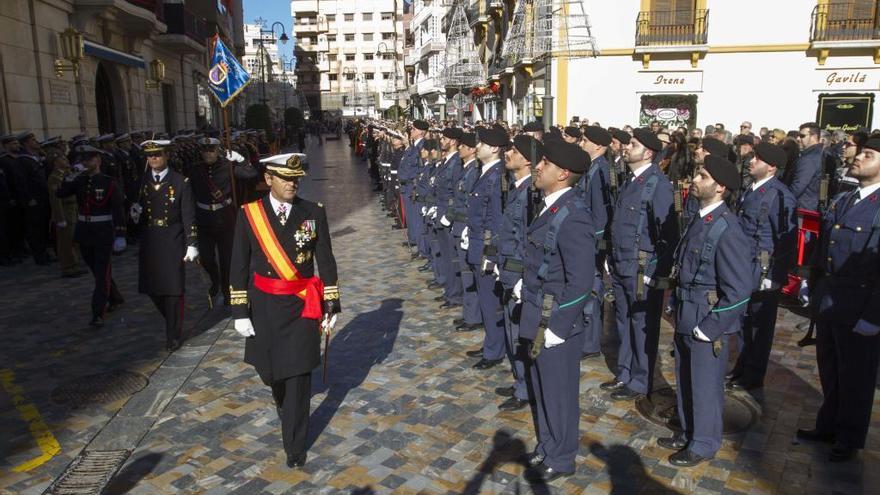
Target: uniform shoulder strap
(550, 239)
(647, 196)
(710, 243)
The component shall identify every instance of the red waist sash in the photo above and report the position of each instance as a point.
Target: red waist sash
(310, 290)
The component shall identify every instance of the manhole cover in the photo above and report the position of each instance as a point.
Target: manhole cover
(88, 473)
(738, 414)
(100, 388)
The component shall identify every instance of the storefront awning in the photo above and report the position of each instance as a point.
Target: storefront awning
(111, 55)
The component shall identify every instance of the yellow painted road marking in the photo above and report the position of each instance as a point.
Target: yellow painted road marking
(39, 430)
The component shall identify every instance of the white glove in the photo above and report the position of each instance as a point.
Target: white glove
(424, 210)
(496, 273)
(61, 225)
(485, 267)
(550, 339)
(192, 253)
(432, 212)
(465, 242)
(768, 284)
(699, 335)
(119, 244)
(328, 323)
(607, 266)
(804, 293)
(135, 212)
(244, 327)
(517, 292)
(445, 221)
(234, 156)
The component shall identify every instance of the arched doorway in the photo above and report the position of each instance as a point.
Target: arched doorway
(104, 103)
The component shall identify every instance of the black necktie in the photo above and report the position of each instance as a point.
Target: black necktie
(158, 178)
(539, 209)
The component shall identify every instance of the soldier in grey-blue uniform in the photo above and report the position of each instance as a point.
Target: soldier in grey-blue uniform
(642, 237)
(483, 220)
(423, 192)
(711, 295)
(457, 214)
(557, 280)
(767, 216)
(846, 300)
(444, 187)
(519, 160)
(410, 165)
(595, 190)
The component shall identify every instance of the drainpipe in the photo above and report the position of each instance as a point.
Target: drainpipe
(40, 89)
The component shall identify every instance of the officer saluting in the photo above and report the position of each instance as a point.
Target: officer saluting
(558, 277)
(277, 301)
(100, 226)
(711, 296)
(847, 302)
(168, 238)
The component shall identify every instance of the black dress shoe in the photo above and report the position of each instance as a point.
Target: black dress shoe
(612, 385)
(624, 393)
(502, 391)
(458, 321)
(544, 473)
(468, 327)
(842, 453)
(405, 244)
(672, 443)
(294, 461)
(448, 305)
(425, 268)
(440, 298)
(476, 353)
(815, 435)
(485, 364)
(741, 386)
(733, 375)
(172, 345)
(414, 256)
(513, 404)
(434, 285)
(590, 355)
(97, 322)
(533, 460)
(686, 458)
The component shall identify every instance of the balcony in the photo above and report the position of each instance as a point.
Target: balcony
(432, 45)
(187, 32)
(410, 57)
(320, 26)
(477, 14)
(304, 6)
(849, 25)
(672, 32)
(136, 17)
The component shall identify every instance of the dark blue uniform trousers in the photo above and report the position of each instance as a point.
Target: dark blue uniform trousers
(437, 261)
(515, 352)
(424, 241)
(638, 326)
(489, 294)
(758, 330)
(700, 379)
(452, 285)
(413, 216)
(594, 317)
(848, 373)
(554, 383)
(470, 300)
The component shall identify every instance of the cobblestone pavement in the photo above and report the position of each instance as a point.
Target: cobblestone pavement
(401, 412)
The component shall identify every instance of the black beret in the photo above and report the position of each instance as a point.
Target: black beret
(420, 125)
(772, 154)
(714, 147)
(525, 144)
(452, 133)
(554, 131)
(621, 135)
(566, 155)
(724, 172)
(429, 145)
(873, 143)
(494, 136)
(648, 139)
(573, 132)
(468, 139)
(533, 126)
(86, 150)
(597, 135)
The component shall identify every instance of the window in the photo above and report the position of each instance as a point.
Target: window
(331, 57)
(313, 40)
(386, 75)
(387, 16)
(367, 16)
(349, 57)
(387, 56)
(349, 76)
(331, 17)
(333, 77)
(368, 76)
(368, 36)
(349, 17)
(331, 38)
(368, 56)
(387, 36)
(349, 37)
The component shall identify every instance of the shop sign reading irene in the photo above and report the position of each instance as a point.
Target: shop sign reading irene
(858, 79)
(689, 81)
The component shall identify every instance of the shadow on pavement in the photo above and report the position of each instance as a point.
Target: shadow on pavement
(627, 472)
(505, 449)
(363, 343)
(133, 473)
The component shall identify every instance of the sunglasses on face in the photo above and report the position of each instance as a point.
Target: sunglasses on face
(803, 136)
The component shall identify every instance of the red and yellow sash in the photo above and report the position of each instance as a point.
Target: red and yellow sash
(310, 290)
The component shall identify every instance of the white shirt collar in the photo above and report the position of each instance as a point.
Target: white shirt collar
(161, 174)
(552, 197)
(864, 192)
(756, 185)
(520, 181)
(487, 166)
(639, 171)
(276, 204)
(449, 156)
(417, 141)
(472, 160)
(708, 209)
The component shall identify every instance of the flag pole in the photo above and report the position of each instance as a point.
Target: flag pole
(227, 132)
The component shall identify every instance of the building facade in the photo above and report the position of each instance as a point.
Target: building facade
(350, 54)
(424, 60)
(125, 47)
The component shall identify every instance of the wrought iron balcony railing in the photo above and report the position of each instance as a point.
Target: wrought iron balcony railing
(672, 27)
(850, 21)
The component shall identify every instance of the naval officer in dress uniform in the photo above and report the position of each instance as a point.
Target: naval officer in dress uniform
(847, 302)
(166, 210)
(557, 280)
(712, 291)
(278, 303)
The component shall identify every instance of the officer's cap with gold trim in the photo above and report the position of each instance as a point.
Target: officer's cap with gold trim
(286, 165)
(206, 142)
(155, 145)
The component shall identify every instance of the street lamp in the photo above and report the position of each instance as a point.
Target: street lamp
(266, 35)
(72, 51)
(157, 74)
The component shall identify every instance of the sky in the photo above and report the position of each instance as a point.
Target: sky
(271, 11)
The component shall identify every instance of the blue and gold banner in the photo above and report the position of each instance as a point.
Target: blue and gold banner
(226, 76)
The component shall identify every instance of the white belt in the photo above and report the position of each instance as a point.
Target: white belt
(214, 206)
(394, 172)
(94, 218)
(385, 164)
